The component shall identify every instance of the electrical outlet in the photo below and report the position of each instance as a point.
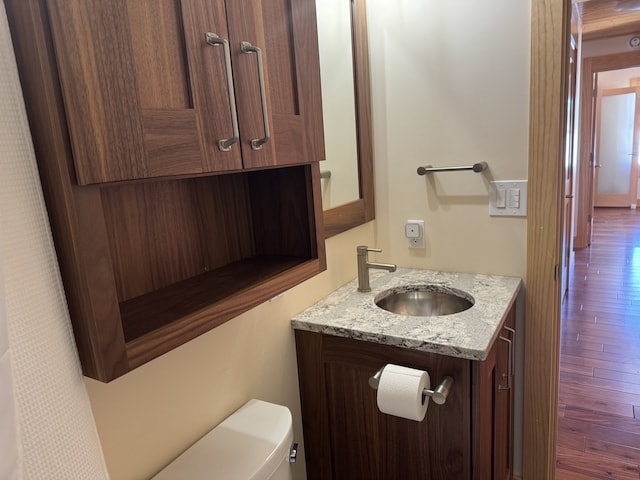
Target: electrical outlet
(414, 231)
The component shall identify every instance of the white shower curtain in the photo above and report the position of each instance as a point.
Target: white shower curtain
(46, 425)
(10, 468)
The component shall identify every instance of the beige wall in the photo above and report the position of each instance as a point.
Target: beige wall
(450, 85)
(153, 413)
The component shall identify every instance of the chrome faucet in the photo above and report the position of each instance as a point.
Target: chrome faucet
(364, 265)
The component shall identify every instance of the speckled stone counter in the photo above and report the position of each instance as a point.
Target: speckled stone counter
(468, 334)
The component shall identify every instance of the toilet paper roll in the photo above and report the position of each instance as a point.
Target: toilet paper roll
(400, 392)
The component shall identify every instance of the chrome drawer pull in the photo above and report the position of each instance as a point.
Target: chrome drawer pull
(214, 40)
(509, 373)
(257, 143)
(512, 357)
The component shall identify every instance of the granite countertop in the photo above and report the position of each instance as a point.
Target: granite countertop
(468, 334)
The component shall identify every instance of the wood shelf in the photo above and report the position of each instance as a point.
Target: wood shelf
(227, 244)
(246, 284)
(151, 312)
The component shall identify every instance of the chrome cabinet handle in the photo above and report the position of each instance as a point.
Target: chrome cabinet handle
(511, 362)
(508, 374)
(512, 355)
(214, 40)
(257, 143)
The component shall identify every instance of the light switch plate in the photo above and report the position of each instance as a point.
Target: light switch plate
(508, 198)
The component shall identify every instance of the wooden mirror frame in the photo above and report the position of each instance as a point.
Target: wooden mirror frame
(358, 212)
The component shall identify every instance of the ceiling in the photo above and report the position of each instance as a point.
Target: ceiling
(608, 18)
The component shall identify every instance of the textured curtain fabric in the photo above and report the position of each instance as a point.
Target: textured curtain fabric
(47, 427)
(9, 443)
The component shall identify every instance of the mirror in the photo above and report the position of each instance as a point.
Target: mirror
(348, 191)
(340, 169)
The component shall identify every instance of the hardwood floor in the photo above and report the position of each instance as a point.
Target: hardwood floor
(599, 404)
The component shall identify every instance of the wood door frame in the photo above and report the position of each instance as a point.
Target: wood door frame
(549, 48)
(591, 65)
(570, 158)
(610, 200)
(550, 30)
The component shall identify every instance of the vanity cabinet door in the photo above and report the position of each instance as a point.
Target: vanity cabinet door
(148, 93)
(346, 436)
(493, 409)
(503, 445)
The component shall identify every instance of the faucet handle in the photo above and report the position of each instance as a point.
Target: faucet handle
(363, 249)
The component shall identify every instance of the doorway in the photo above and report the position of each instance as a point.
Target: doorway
(616, 141)
(597, 68)
(597, 431)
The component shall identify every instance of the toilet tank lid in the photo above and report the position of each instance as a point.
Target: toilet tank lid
(250, 444)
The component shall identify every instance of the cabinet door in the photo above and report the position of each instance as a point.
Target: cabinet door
(145, 94)
(285, 32)
(486, 382)
(347, 437)
(493, 405)
(503, 443)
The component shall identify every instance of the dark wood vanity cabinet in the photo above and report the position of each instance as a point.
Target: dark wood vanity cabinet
(127, 103)
(346, 436)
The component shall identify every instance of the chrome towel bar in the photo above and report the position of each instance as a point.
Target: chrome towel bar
(439, 394)
(476, 167)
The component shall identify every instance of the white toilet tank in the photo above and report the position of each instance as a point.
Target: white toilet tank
(251, 444)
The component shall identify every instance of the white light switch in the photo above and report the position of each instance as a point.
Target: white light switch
(514, 198)
(508, 198)
(501, 198)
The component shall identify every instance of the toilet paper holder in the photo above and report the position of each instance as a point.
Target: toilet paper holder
(439, 394)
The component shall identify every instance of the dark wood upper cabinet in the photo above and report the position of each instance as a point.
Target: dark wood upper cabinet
(155, 88)
(162, 235)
